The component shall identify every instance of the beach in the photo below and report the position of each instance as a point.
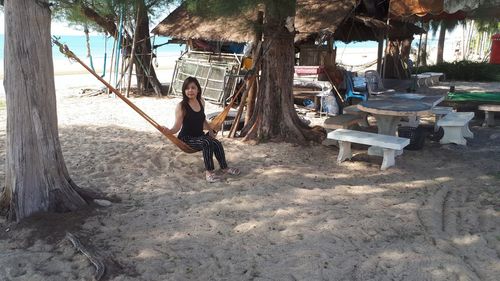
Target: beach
(293, 213)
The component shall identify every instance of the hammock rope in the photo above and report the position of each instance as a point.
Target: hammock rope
(216, 124)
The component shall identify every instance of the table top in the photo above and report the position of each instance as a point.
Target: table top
(396, 107)
(432, 100)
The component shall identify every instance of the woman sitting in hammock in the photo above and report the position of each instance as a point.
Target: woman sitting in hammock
(190, 119)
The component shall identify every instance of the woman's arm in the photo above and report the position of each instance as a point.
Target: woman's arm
(179, 117)
(206, 125)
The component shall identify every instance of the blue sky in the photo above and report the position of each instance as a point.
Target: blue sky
(58, 28)
(61, 28)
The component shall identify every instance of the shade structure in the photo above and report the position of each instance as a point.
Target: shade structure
(421, 8)
(311, 18)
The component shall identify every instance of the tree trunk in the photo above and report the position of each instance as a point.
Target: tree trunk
(274, 115)
(423, 49)
(143, 50)
(440, 47)
(36, 179)
(145, 72)
(405, 57)
(252, 93)
(393, 69)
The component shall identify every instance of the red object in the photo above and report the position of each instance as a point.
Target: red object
(495, 49)
(308, 70)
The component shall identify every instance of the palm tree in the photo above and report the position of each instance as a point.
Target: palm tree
(444, 26)
(485, 28)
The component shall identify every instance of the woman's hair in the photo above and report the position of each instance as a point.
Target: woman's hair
(185, 99)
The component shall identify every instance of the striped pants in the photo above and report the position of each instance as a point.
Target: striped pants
(209, 146)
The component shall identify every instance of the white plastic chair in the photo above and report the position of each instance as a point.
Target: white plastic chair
(374, 83)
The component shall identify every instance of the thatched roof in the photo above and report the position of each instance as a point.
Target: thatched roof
(312, 16)
(362, 28)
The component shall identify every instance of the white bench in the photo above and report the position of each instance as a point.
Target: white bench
(489, 114)
(434, 76)
(439, 112)
(388, 143)
(456, 127)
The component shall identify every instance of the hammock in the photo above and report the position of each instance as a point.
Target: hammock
(215, 124)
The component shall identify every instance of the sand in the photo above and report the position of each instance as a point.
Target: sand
(293, 214)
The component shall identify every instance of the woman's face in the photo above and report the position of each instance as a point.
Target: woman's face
(191, 91)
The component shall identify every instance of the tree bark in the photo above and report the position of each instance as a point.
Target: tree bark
(252, 93)
(275, 118)
(36, 179)
(405, 57)
(145, 73)
(393, 69)
(423, 49)
(440, 46)
(108, 24)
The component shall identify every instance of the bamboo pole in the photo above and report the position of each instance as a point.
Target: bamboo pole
(234, 126)
(132, 55)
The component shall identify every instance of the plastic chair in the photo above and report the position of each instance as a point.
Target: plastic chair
(374, 83)
(349, 89)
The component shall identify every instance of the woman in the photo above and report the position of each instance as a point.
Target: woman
(190, 119)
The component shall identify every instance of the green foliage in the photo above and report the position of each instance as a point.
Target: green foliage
(487, 25)
(71, 10)
(466, 71)
(216, 8)
(449, 25)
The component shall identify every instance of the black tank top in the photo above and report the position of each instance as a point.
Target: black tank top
(192, 125)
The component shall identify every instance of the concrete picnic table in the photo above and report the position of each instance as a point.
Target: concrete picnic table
(388, 113)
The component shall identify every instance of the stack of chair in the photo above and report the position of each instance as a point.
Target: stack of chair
(374, 83)
(350, 93)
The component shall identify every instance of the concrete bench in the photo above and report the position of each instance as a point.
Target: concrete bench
(456, 127)
(354, 110)
(434, 77)
(489, 114)
(422, 78)
(342, 121)
(439, 112)
(389, 144)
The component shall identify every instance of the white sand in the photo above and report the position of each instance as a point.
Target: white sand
(293, 214)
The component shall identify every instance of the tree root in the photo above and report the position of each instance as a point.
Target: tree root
(99, 265)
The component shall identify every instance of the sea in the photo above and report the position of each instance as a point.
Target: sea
(101, 46)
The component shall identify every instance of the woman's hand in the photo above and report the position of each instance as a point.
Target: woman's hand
(165, 130)
(212, 133)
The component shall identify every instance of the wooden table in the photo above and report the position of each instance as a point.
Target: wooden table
(388, 113)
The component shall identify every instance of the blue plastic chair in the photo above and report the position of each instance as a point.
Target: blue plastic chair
(349, 91)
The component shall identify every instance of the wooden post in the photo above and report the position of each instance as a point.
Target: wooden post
(253, 86)
(234, 126)
(379, 54)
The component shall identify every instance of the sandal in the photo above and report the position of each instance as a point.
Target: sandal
(212, 178)
(232, 171)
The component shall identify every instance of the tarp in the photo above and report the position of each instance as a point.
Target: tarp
(474, 96)
(405, 8)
